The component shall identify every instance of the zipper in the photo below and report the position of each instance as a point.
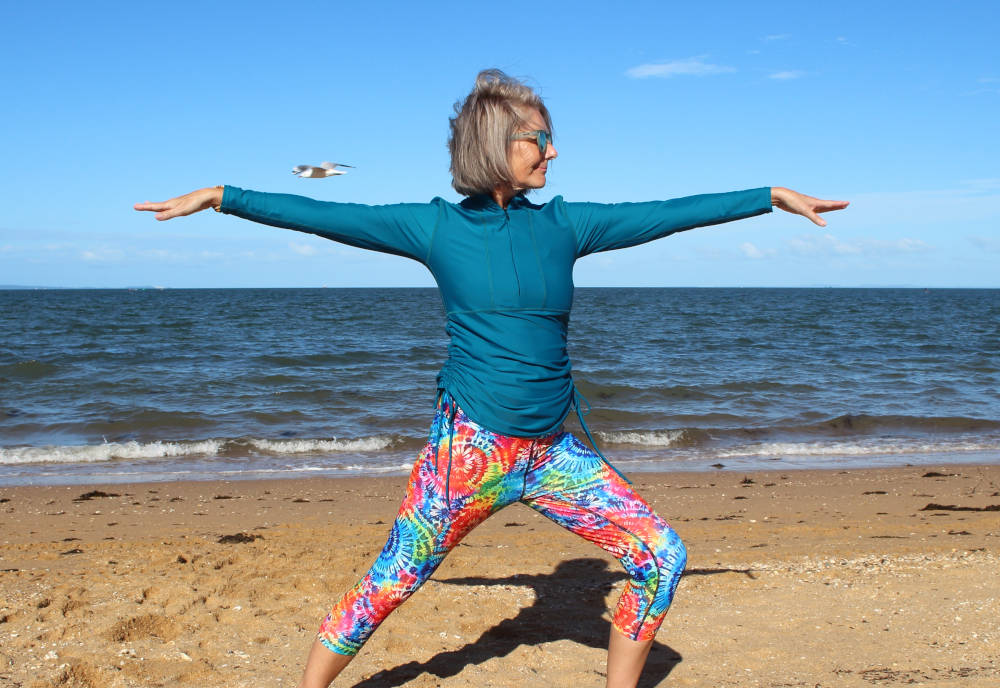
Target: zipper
(510, 244)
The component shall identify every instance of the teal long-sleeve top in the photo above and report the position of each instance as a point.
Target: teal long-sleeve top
(505, 276)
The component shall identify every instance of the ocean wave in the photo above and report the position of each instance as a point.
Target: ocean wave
(861, 424)
(747, 386)
(604, 391)
(651, 438)
(230, 448)
(90, 453)
(312, 446)
(367, 468)
(862, 429)
(869, 448)
(28, 370)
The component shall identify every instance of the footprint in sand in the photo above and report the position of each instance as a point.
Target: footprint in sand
(141, 627)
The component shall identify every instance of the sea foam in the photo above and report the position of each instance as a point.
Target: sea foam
(111, 451)
(647, 438)
(89, 453)
(874, 447)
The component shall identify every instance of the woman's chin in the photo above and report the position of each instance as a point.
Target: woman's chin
(533, 182)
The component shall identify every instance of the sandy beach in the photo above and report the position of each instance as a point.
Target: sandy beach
(796, 578)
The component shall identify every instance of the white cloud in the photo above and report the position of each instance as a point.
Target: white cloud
(263, 256)
(989, 80)
(303, 249)
(790, 74)
(160, 254)
(903, 245)
(28, 246)
(826, 244)
(692, 66)
(777, 37)
(103, 255)
(829, 245)
(751, 251)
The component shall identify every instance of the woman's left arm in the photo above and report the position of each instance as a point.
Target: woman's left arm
(610, 226)
(806, 206)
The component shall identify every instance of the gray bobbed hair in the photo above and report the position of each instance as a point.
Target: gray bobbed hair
(481, 131)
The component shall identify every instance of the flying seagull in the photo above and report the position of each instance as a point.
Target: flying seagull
(325, 169)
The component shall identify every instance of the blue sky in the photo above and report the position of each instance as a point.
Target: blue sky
(894, 106)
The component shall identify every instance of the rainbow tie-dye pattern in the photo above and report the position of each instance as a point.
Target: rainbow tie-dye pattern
(464, 474)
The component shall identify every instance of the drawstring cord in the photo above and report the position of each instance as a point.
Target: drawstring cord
(577, 398)
(444, 400)
(451, 440)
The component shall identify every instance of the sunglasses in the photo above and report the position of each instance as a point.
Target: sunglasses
(540, 136)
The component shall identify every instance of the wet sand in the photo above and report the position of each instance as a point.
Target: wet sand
(797, 578)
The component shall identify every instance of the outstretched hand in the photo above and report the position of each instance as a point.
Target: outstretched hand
(800, 204)
(189, 203)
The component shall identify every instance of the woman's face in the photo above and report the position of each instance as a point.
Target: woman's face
(527, 163)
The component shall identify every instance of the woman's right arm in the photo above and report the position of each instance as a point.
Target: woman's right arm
(402, 229)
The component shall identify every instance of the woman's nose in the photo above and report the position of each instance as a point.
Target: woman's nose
(551, 152)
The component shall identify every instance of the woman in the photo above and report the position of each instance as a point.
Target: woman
(503, 266)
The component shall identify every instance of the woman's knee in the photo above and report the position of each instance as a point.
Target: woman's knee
(670, 552)
(671, 558)
(666, 557)
(645, 601)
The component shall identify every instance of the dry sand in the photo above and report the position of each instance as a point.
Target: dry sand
(797, 578)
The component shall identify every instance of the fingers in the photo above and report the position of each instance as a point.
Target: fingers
(827, 206)
(168, 214)
(807, 210)
(824, 207)
(149, 205)
(165, 210)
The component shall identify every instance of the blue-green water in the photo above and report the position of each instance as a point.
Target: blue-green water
(118, 385)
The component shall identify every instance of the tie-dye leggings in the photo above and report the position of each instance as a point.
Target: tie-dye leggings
(465, 474)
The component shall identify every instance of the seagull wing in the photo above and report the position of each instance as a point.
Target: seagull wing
(310, 172)
(326, 169)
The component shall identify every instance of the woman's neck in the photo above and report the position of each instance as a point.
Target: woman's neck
(503, 194)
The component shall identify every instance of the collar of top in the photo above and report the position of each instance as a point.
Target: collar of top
(486, 202)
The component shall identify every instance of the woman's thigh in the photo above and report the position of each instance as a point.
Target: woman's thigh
(574, 487)
(462, 475)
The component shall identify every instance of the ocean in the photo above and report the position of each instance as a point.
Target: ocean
(102, 386)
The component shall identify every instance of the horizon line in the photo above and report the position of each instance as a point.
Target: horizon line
(20, 287)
